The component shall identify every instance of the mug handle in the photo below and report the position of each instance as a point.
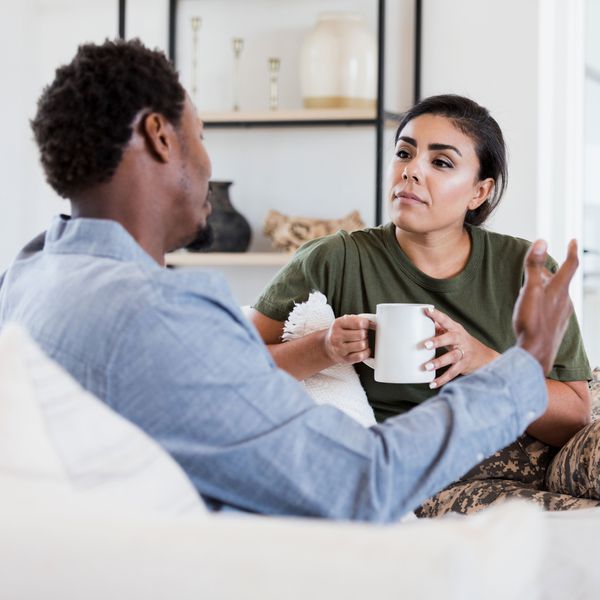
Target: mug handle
(370, 362)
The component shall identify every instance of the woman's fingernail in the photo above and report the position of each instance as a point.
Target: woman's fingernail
(432, 385)
(428, 345)
(429, 367)
(430, 309)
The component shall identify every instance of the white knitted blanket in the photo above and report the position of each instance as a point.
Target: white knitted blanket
(338, 385)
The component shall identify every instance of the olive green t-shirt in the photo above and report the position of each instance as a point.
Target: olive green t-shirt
(356, 271)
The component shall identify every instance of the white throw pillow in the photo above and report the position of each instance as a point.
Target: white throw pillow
(338, 385)
(59, 440)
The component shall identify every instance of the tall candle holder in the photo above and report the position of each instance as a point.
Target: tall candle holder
(196, 24)
(238, 46)
(274, 64)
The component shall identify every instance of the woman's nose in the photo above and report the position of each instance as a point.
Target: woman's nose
(410, 173)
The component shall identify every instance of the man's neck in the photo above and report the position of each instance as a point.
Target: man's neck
(141, 227)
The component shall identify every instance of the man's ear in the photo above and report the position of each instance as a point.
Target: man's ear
(158, 134)
(482, 190)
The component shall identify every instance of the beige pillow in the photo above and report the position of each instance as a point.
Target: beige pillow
(57, 439)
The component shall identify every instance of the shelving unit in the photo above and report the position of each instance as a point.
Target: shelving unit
(377, 120)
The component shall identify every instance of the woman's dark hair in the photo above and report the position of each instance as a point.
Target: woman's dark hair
(476, 122)
(84, 116)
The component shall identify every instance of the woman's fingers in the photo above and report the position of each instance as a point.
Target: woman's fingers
(449, 358)
(449, 375)
(441, 319)
(449, 338)
(347, 339)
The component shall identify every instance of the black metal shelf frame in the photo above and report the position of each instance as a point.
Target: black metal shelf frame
(381, 115)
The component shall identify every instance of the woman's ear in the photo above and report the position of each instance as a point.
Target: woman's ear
(482, 191)
(157, 132)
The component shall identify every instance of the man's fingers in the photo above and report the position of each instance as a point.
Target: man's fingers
(534, 263)
(563, 276)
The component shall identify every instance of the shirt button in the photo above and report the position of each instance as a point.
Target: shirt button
(479, 457)
(530, 415)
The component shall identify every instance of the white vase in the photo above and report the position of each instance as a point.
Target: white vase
(338, 63)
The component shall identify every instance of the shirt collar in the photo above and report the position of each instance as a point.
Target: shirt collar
(95, 237)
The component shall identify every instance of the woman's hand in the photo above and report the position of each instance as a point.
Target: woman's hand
(465, 353)
(346, 339)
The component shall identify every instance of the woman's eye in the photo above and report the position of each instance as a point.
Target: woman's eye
(402, 153)
(440, 162)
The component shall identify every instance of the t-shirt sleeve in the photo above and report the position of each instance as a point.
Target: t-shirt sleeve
(571, 363)
(316, 266)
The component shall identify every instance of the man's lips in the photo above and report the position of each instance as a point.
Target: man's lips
(408, 198)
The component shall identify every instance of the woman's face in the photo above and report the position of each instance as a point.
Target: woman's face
(433, 177)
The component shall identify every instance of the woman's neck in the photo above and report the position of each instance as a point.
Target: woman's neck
(439, 254)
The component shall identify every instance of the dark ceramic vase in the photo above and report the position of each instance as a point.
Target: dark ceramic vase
(231, 230)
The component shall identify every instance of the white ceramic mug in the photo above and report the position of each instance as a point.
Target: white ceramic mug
(400, 353)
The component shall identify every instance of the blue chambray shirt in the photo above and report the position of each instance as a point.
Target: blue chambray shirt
(172, 352)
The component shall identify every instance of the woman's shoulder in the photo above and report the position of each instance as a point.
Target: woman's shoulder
(502, 241)
(343, 241)
(508, 248)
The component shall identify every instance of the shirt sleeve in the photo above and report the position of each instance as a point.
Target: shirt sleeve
(193, 374)
(316, 266)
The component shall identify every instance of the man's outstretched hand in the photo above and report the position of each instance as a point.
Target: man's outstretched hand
(543, 308)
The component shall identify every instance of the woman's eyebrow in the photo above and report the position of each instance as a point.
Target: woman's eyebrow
(444, 147)
(413, 142)
(408, 140)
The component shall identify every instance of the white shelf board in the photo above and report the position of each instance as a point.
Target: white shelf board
(301, 114)
(227, 259)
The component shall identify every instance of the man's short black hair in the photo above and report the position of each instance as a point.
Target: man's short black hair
(84, 116)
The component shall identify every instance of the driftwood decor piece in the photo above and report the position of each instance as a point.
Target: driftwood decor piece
(289, 233)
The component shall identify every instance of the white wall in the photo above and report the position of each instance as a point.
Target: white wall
(37, 36)
(495, 52)
(524, 61)
(487, 50)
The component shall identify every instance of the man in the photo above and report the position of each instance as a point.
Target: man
(170, 350)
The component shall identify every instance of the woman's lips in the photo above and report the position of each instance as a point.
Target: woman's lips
(408, 199)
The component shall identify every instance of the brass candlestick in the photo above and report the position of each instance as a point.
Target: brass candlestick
(196, 24)
(274, 64)
(238, 46)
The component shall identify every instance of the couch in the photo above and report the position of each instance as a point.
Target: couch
(92, 508)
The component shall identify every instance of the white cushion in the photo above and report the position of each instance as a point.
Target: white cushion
(495, 555)
(338, 385)
(57, 439)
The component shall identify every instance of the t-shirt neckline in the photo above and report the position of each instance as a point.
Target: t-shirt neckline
(437, 285)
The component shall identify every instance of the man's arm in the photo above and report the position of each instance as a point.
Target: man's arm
(248, 435)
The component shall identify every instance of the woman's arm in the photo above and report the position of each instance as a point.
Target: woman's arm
(568, 402)
(345, 341)
(568, 411)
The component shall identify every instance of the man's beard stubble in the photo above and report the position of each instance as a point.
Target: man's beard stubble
(205, 236)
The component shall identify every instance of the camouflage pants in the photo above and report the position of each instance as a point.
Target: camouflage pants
(563, 479)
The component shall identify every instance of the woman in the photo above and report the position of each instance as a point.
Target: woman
(447, 176)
